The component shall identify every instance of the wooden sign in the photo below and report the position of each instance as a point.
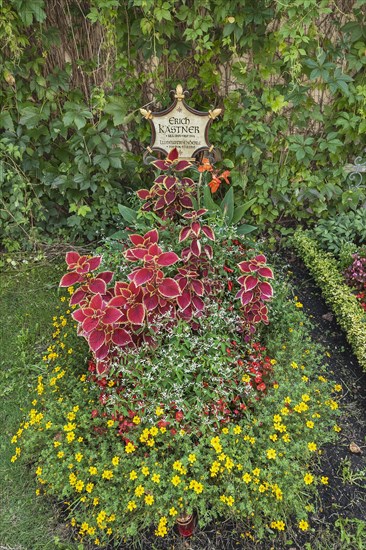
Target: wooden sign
(180, 126)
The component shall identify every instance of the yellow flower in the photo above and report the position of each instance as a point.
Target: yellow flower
(78, 457)
(139, 491)
(256, 472)
(337, 428)
(145, 470)
(230, 501)
(304, 526)
(60, 454)
(225, 430)
(79, 485)
(154, 431)
(130, 448)
(310, 424)
(136, 420)
(93, 471)
(115, 460)
(173, 511)
(89, 487)
(298, 304)
(39, 471)
(324, 480)
(274, 437)
(131, 505)
(246, 377)
(110, 423)
(305, 397)
(155, 478)
(237, 430)
(192, 458)
(308, 478)
(176, 480)
(337, 387)
(261, 488)
(149, 499)
(159, 411)
(107, 474)
(70, 437)
(133, 475)
(312, 446)
(271, 453)
(247, 477)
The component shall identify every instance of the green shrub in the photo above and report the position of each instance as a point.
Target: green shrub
(340, 232)
(337, 294)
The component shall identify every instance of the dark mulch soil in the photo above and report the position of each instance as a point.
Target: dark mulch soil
(342, 506)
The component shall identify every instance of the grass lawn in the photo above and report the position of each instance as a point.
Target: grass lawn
(28, 293)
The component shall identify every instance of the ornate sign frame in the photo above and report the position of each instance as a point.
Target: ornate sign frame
(180, 126)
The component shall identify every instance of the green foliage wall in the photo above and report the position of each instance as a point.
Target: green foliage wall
(290, 74)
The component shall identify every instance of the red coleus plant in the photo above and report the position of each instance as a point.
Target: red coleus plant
(172, 162)
(168, 196)
(254, 290)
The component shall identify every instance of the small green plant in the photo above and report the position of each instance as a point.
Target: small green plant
(352, 533)
(345, 229)
(349, 475)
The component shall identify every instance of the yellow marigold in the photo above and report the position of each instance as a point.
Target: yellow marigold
(133, 475)
(89, 487)
(149, 500)
(245, 378)
(154, 431)
(93, 470)
(312, 446)
(129, 448)
(139, 491)
(173, 511)
(271, 453)
(225, 430)
(310, 424)
(107, 474)
(79, 485)
(247, 478)
(145, 470)
(110, 423)
(155, 478)
(337, 388)
(324, 480)
(115, 461)
(136, 420)
(337, 428)
(256, 472)
(131, 505)
(176, 480)
(237, 430)
(277, 418)
(78, 457)
(304, 526)
(192, 458)
(273, 437)
(308, 479)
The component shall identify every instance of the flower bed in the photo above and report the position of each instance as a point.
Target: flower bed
(338, 295)
(184, 393)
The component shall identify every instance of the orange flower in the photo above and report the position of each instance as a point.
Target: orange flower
(225, 176)
(205, 166)
(214, 184)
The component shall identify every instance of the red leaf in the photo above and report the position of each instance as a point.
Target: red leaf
(117, 301)
(96, 339)
(142, 276)
(249, 282)
(90, 324)
(96, 302)
(184, 300)
(150, 301)
(98, 286)
(198, 303)
(111, 315)
(101, 367)
(196, 228)
(152, 236)
(136, 314)
(186, 202)
(198, 287)
(94, 262)
(260, 259)
(266, 272)
(78, 315)
(160, 203)
(169, 197)
(72, 259)
(208, 251)
(70, 279)
(182, 165)
(266, 291)
(160, 164)
(244, 267)
(184, 234)
(77, 297)
(208, 232)
(106, 276)
(121, 337)
(169, 288)
(167, 258)
(102, 352)
(246, 297)
(136, 239)
(196, 247)
(172, 155)
(143, 194)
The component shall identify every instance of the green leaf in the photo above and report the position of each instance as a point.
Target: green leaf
(240, 210)
(127, 213)
(227, 205)
(6, 121)
(245, 229)
(30, 117)
(208, 201)
(116, 107)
